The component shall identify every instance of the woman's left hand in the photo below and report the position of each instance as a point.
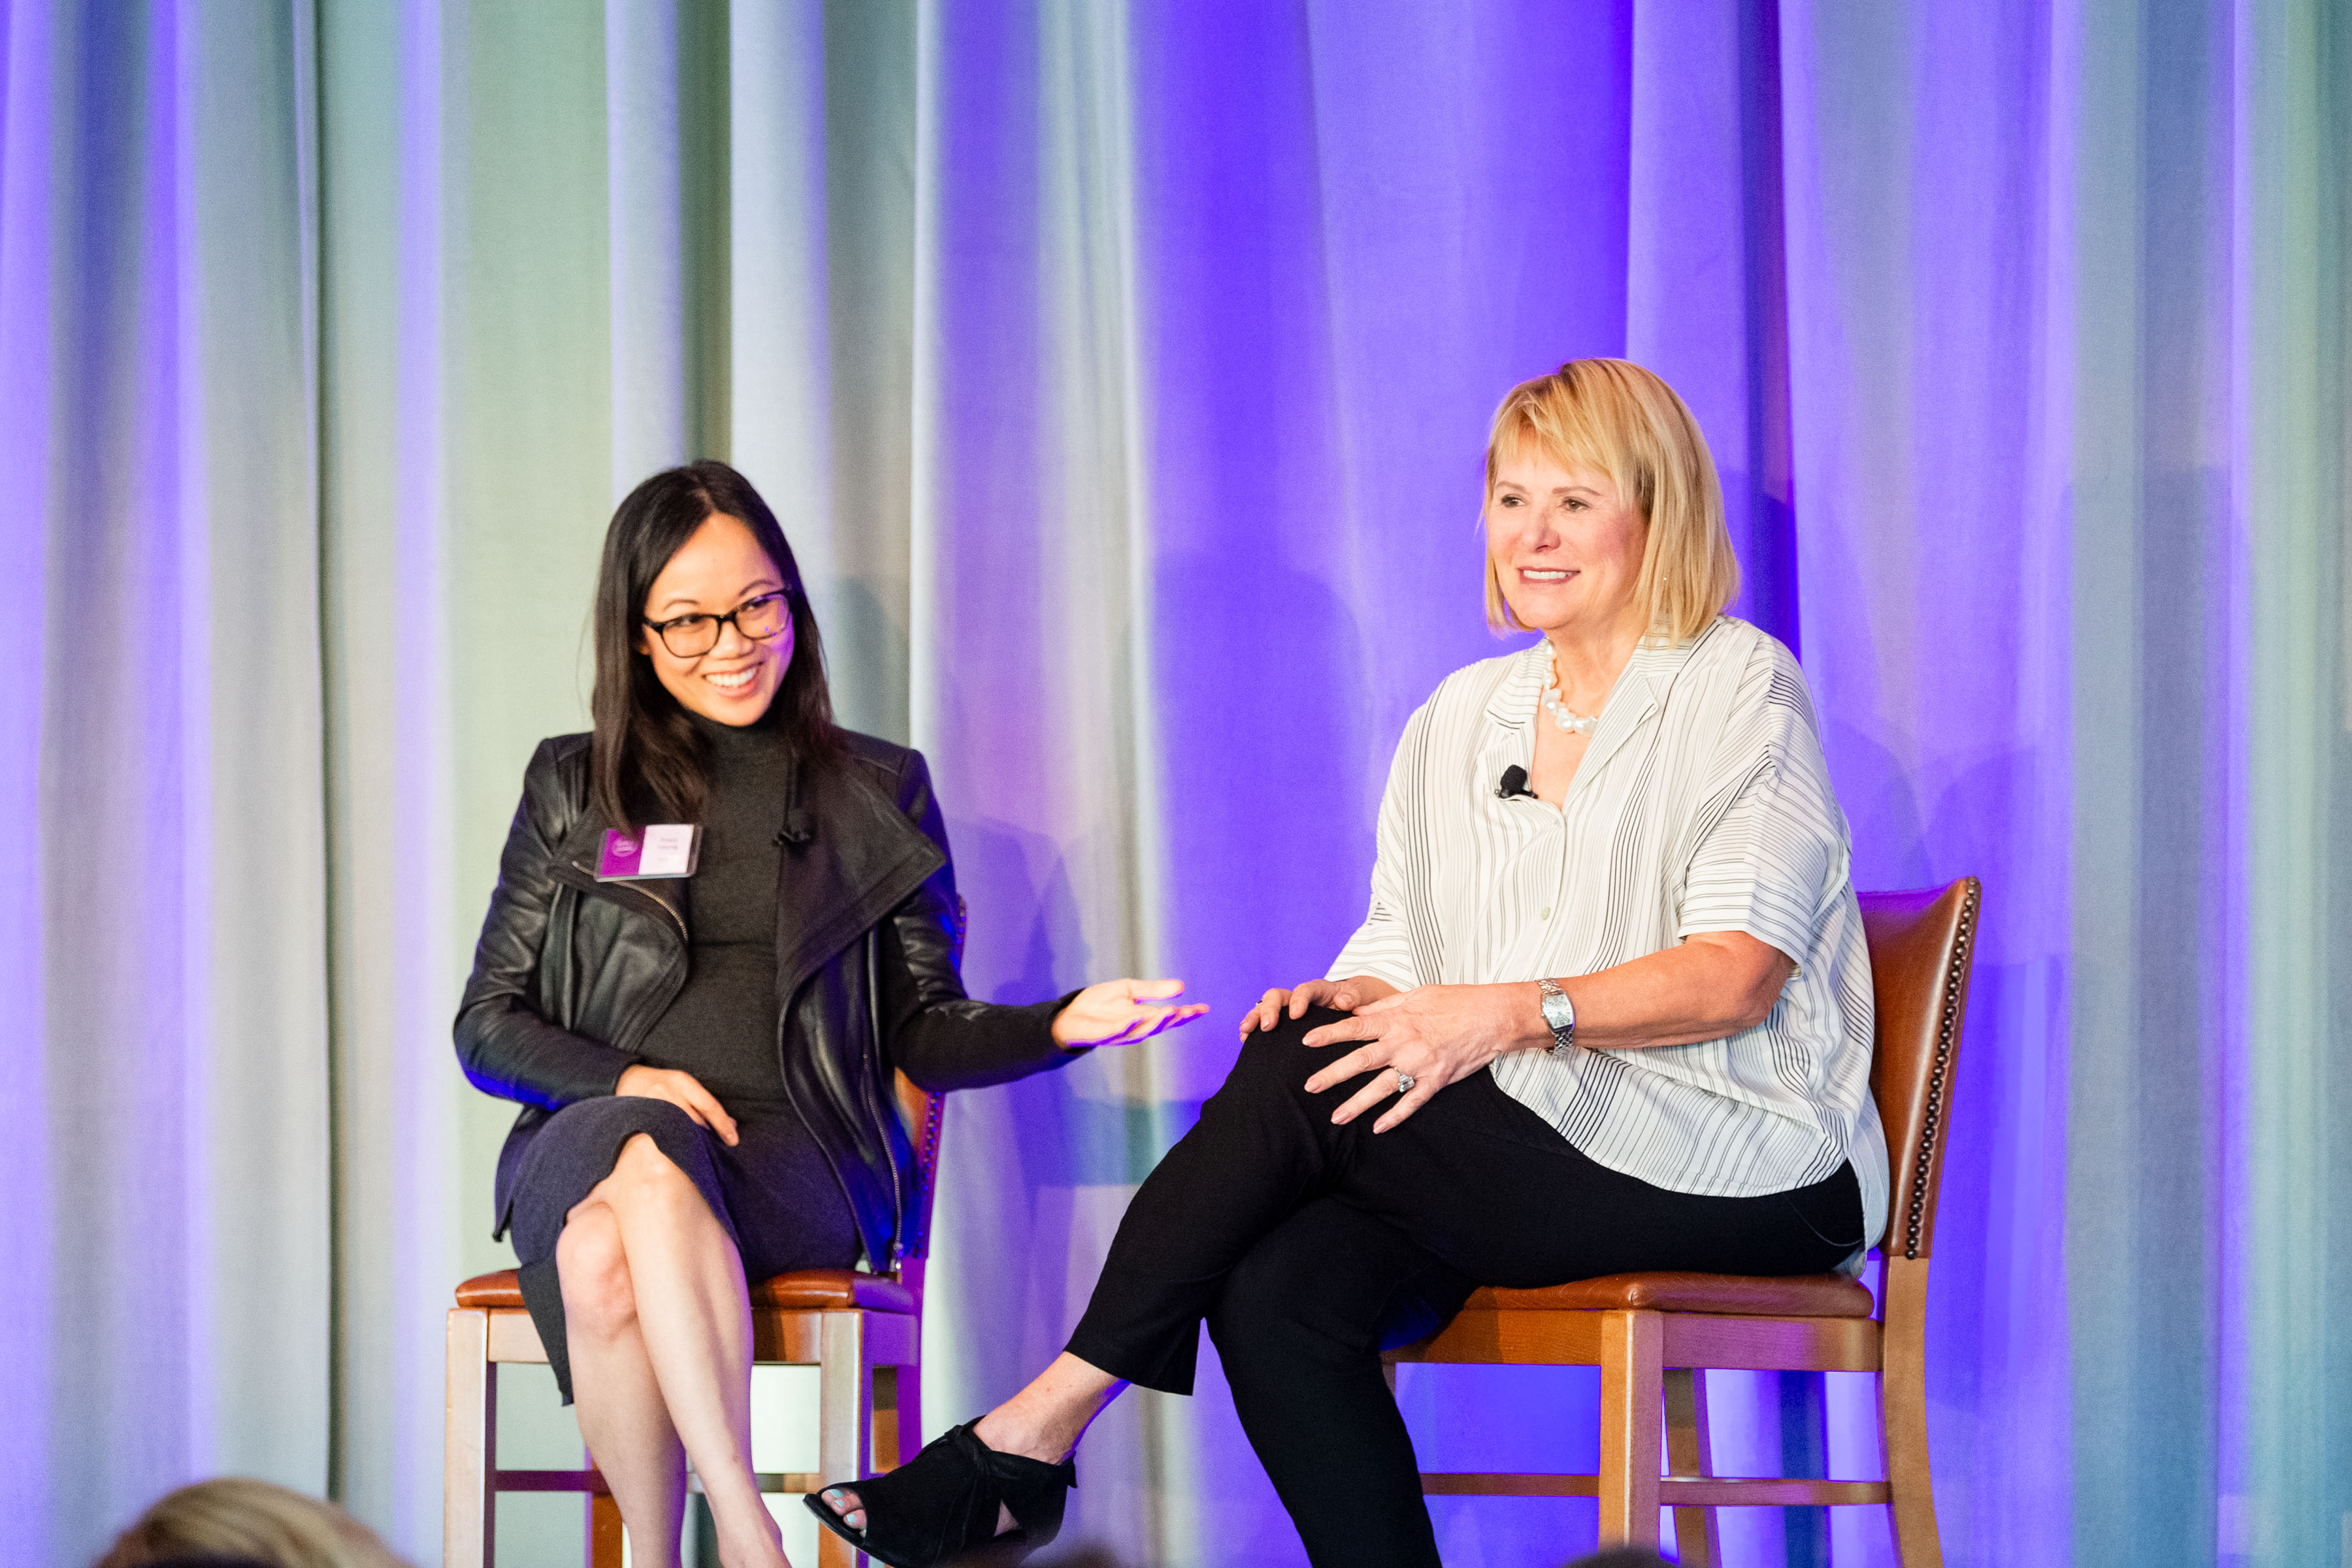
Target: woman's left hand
(1121, 1012)
(1438, 1034)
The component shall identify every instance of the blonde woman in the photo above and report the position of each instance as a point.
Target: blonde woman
(236, 1520)
(1609, 1011)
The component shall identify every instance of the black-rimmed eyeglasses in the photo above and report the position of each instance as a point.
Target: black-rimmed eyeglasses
(691, 637)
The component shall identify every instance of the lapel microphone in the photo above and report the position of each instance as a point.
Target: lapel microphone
(1514, 782)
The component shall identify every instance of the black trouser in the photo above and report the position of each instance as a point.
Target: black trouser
(1309, 1248)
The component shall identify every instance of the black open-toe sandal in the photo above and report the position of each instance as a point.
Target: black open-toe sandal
(940, 1507)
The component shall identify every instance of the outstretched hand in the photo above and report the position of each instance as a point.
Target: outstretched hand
(1122, 1012)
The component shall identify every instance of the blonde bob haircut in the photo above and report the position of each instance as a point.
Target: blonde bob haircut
(247, 1520)
(1614, 415)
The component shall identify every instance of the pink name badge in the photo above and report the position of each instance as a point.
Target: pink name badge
(664, 850)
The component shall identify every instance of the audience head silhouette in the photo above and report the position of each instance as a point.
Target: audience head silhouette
(235, 1522)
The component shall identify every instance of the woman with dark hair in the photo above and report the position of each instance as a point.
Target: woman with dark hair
(705, 1055)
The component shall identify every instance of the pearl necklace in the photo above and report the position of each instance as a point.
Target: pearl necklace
(1574, 723)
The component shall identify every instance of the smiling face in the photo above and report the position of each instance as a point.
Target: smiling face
(718, 569)
(1565, 546)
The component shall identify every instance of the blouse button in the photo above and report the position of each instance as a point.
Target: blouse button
(1546, 913)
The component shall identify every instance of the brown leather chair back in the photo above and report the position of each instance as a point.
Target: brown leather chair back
(919, 1112)
(1921, 944)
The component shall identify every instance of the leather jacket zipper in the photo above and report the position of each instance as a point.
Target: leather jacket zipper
(628, 893)
(577, 875)
(784, 1029)
(899, 1216)
(897, 1193)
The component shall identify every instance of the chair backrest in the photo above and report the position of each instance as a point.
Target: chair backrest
(919, 1111)
(1921, 944)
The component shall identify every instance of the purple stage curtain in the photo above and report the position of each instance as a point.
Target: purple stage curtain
(1120, 372)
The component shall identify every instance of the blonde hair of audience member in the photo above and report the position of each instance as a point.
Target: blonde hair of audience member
(1615, 416)
(234, 1517)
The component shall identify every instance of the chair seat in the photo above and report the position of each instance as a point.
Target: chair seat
(1733, 1295)
(806, 1289)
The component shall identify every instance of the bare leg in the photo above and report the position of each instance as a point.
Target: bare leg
(619, 1404)
(1044, 1421)
(694, 1319)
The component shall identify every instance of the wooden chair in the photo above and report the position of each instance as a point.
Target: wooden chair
(1651, 1334)
(863, 1331)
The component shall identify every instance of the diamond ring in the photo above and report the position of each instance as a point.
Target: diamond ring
(1405, 1082)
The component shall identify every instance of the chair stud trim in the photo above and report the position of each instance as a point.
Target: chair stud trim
(1915, 1216)
(927, 1157)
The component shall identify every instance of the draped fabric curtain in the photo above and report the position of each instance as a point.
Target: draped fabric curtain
(164, 1077)
(1119, 372)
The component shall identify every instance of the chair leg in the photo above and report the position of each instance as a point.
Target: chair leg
(604, 1531)
(1632, 1344)
(890, 1448)
(470, 1444)
(909, 1394)
(1691, 1452)
(844, 1429)
(1902, 1413)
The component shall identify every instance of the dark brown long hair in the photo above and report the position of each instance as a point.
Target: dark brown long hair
(646, 759)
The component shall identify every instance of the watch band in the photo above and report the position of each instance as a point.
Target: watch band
(1559, 1013)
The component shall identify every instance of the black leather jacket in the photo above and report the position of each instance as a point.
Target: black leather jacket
(570, 973)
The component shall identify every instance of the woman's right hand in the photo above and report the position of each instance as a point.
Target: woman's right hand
(1343, 995)
(682, 1090)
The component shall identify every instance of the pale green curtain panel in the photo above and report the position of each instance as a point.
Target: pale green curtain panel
(165, 1075)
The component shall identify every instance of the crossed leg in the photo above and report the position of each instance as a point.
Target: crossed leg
(1264, 1148)
(660, 1323)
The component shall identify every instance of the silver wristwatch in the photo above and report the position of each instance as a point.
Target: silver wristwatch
(1560, 1013)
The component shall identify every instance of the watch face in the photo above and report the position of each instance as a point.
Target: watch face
(1561, 1014)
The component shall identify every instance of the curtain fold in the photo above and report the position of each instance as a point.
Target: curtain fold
(385, 526)
(1030, 630)
(166, 1077)
(1119, 374)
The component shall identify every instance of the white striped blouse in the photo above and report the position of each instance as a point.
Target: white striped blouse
(1703, 804)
